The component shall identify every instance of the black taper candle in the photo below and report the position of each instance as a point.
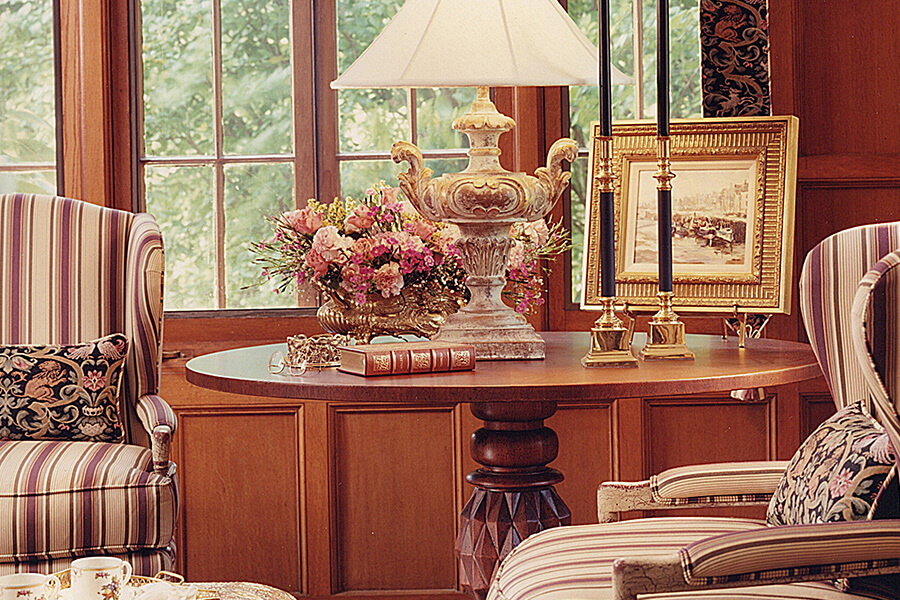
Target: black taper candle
(664, 208)
(662, 68)
(607, 213)
(664, 196)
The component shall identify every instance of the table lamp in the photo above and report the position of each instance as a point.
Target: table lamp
(482, 43)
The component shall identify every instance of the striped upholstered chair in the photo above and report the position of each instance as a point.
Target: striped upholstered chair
(830, 274)
(72, 273)
(661, 556)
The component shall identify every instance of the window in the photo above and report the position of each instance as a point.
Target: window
(631, 102)
(230, 134)
(221, 145)
(28, 97)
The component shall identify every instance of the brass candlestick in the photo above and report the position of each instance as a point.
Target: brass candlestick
(667, 338)
(610, 340)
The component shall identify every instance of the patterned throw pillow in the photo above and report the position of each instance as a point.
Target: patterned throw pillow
(62, 392)
(837, 473)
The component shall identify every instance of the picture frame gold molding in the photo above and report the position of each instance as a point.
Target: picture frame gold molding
(764, 285)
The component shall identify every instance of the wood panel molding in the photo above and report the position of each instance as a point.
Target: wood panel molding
(694, 430)
(849, 170)
(242, 472)
(395, 476)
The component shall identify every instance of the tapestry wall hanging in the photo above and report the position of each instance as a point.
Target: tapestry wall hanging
(734, 49)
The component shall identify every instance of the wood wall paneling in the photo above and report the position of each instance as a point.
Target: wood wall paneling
(395, 482)
(849, 74)
(586, 455)
(687, 431)
(240, 478)
(816, 408)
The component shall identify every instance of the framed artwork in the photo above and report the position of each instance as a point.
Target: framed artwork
(732, 215)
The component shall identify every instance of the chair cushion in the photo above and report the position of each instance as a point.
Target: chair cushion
(62, 392)
(65, 499)
(837, 473)
(575, 562)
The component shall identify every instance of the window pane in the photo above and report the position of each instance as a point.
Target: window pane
(358, 175)
(372, 120)
(256, 76)
(251, 193)
(28, 182)
(578, 185)
(684, 47)
(27, 82)
(437, 108)
(368, 120)
(181, 199)
(178, 97)
(445, 165)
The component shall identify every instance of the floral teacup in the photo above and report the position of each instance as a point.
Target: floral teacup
(29, 586)
(99, 577)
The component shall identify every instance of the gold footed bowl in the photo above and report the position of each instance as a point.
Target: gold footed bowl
(414, 311)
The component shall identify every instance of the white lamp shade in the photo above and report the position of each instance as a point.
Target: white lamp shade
(460, 43)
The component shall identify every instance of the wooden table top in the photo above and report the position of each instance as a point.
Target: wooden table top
(719, 366)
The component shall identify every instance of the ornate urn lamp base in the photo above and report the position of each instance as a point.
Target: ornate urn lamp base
(484, 200)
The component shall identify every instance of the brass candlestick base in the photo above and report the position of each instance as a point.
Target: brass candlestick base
(666, 339)
(610, 340)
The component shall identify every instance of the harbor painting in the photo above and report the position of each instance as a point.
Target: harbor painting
(713, 211)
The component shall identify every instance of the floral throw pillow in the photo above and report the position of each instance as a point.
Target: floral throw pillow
(837, 473)
(62, 392)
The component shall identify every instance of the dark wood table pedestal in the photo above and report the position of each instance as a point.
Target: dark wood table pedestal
(514, 494)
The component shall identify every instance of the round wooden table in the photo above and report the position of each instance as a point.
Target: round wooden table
(514, 489)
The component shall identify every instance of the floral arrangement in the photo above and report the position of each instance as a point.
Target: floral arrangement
(382, 245)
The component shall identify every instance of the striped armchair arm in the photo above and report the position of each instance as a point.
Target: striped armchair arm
(160, 421)
(766, 556)
(695, 486)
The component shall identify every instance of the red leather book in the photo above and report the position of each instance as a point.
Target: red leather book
(406, 357)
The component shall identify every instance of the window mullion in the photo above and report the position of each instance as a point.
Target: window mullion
(413, 116)
(219, 192)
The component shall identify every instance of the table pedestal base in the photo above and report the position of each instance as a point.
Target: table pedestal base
(493, 523)
(514, 494)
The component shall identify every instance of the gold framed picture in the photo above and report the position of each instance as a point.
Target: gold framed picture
(733, 200)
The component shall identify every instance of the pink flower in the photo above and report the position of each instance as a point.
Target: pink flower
(331, 244)
(94, 380)
(423, 229)
(305, 220)
(315, 261)
(359, 220)
(409, 243)
(361, 250)
(388, 279)
(390, 195)
(536, 232)
(841, 483)
(444, 238)
(409, 211)
(355, 279)
(516, 256)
